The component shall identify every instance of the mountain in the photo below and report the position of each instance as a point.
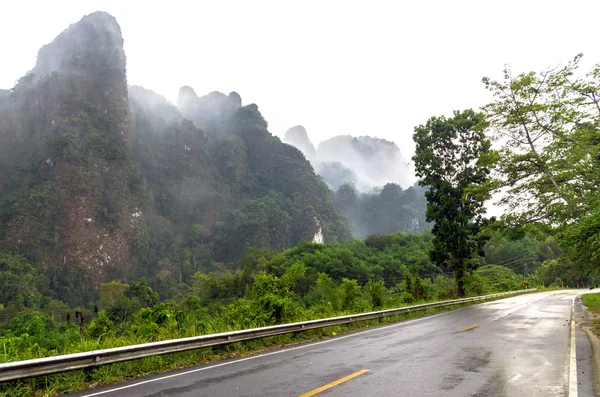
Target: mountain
(374, 161)
(297, 137)
(68, 193)
(367, 162)
(366, 176)
(209, 112)
(220, 190)
(101, 181)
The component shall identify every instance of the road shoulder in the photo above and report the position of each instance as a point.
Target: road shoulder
(588, 351)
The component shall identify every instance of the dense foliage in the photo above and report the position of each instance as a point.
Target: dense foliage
(306, 282)
(548, 126)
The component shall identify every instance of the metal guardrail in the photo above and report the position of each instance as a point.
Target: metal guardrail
(95, 358)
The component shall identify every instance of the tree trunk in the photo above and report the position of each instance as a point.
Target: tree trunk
(460, 282)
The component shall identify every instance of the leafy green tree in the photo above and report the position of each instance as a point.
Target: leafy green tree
(582, 243)
(547, 124)
(389, 210)
(57, 310)
(254, 260)
(198, 234)
(449, 159)
(110, 293)
(375, 292)
(100, 326)
(18, 281)
(326, 289)
(143, 293)
(351, 296)
(220, 285)
(551, 272)
(499, 278)
(346, 199)
(294, 274)
(414, 286)
(31, 322)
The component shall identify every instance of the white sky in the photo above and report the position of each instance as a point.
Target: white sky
(337, 67)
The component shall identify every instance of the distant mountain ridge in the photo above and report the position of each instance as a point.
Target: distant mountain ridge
(298, 137)
(365, 161)
(366, 176)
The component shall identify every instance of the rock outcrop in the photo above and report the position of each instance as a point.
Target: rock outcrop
(297, 136)
(70, 197)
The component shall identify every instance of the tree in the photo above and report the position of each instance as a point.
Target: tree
(143, 293)
(384, 211)
(110, 293)
(18, 279)
(547, 125)
(346, 199)
(449, 159)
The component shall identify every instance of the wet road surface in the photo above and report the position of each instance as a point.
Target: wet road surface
(518, 346)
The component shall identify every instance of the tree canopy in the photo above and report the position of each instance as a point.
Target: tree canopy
(547, 126)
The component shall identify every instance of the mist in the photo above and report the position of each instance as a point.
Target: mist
(366, 162)
(372, 183)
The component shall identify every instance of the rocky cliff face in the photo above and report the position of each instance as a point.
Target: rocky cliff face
(90, 54)
(69, 197)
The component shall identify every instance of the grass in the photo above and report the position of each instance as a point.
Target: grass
(592, 301)
(54, 385)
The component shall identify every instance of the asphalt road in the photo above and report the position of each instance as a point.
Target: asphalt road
(517, 346)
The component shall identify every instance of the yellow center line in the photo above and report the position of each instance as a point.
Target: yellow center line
(332, 384)
(468, 328)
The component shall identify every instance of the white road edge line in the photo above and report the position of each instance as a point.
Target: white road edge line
(403, 323)
(573, 358)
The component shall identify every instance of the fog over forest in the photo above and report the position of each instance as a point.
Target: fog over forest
(367, 162)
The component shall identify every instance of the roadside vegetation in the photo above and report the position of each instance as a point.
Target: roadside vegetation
(307, 282)
(110, 374)
(592, 302)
